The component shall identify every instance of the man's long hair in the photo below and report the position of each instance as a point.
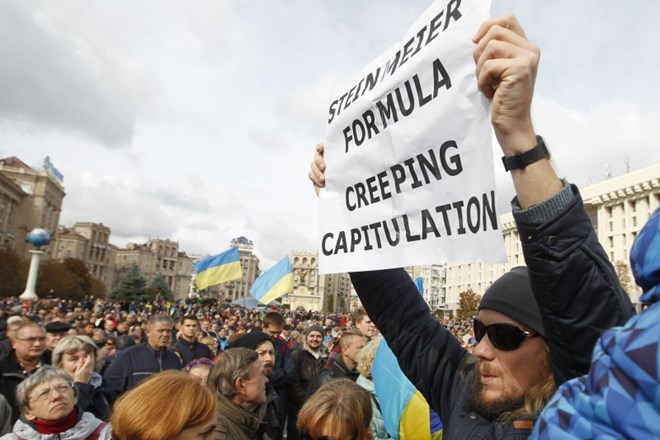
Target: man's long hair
(535, 399)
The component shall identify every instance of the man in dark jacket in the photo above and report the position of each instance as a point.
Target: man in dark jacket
(309, 360)
(188, 345)
(239, 382)
(344, 365)
(523, 351)
(136, 363)
(272, 413)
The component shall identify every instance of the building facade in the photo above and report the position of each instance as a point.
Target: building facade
(90, 243)
(432, 282)
(618, 208)
(41, 205)
(154, 258)
(11, 200)
(311, 291)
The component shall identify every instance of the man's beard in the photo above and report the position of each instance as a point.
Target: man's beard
(491, 409)
(269, 371)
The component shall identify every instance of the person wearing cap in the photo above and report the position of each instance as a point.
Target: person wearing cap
(273, 413)
(308, 359)
(55, 331)
(535, 328)
(619, 396)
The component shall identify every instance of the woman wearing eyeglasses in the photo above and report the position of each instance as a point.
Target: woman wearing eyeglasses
(77, 355)
(47, 401)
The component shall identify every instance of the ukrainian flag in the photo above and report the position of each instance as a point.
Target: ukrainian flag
(219, 269)
(406, 413)
(274, 283)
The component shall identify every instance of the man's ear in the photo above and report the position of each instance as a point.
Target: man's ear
(238, 385)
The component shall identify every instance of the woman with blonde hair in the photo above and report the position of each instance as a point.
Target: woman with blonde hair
(340, 409)
(171, 405)
(365, 380)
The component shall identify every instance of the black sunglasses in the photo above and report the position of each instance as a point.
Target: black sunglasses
(505, 337)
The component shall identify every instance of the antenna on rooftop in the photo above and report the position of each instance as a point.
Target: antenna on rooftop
(626, 162)
(608, 171)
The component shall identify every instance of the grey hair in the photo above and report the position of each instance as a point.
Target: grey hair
(43, 375)
(159, 318)
(229, 366)
(72, 344)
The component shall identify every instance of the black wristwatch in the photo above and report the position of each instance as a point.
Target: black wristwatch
(540, 151)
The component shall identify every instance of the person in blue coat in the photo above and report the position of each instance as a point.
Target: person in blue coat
(620, 397)
(136, 363)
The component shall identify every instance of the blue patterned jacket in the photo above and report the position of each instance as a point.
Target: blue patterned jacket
(620, 396)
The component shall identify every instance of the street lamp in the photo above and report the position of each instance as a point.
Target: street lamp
(38, 237)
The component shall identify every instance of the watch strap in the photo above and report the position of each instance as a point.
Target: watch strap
(518, 161)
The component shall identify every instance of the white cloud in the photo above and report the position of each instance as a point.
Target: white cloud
(218, 105)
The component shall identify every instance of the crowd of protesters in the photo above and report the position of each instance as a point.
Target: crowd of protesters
(85, 339)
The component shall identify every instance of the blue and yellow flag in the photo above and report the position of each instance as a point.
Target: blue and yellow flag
(275, 282)
(219, 269)
(404, 409)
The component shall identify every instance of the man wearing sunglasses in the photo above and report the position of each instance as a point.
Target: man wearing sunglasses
(536, 327)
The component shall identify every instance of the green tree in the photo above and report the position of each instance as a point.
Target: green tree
(160, 287)
(623, 272)
(468, 303)
(13, 273)
(330, 304)
(98, 289)
(68, 279)
(341, 304)
(131, 286)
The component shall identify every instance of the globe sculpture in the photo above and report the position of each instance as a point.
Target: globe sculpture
(38, 237)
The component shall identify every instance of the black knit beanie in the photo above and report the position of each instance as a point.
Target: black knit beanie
(251, 340)
(512, 296)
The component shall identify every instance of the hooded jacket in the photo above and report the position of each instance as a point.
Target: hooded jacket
(620, 397)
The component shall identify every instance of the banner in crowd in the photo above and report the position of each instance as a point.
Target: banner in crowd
(409, 176)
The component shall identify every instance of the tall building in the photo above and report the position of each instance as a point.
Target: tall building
(90, 243)
(42, 205)
(433, 283)
(618, 208)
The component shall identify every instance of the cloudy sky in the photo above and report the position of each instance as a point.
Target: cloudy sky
(196, 120)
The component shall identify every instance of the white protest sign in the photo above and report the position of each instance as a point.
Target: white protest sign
(409, 175)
